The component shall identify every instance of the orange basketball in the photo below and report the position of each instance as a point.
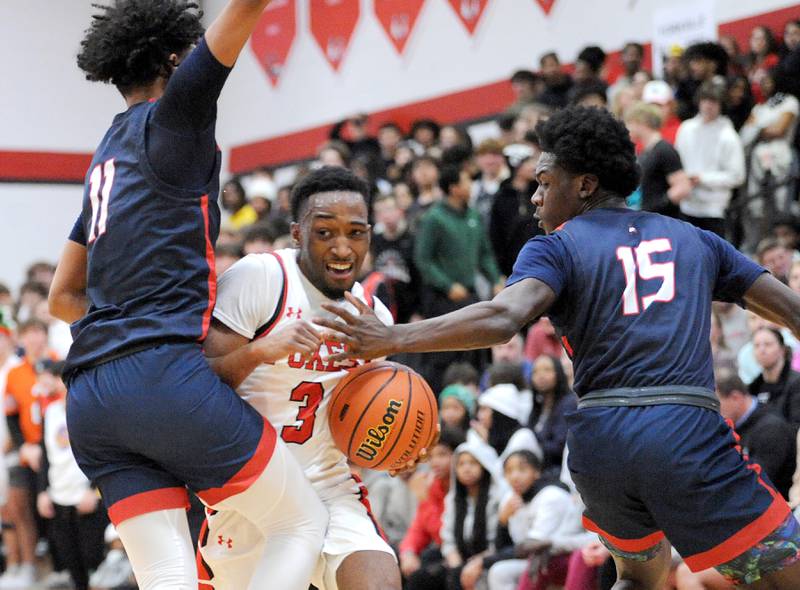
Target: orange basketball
(382, 415)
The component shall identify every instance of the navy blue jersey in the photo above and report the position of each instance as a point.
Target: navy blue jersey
(150, 220)
(634, 293)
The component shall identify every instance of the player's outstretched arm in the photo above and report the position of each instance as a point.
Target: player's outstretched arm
(774, 301)
(230, 30)
(475, 326)
(67, 297)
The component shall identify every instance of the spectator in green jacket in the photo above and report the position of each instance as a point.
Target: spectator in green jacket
(452, 250)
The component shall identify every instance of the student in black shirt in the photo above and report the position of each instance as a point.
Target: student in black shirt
(664, 183)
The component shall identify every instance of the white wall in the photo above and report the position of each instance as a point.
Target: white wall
(47, 105)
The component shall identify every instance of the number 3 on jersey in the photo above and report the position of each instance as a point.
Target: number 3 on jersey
(638, 259)
(309, 394)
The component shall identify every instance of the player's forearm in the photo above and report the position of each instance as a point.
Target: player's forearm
(476, 326)
(229, 32)
(68, 307)
(233, 368)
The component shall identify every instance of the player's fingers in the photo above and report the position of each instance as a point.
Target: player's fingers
(333, 325)
(340, 311)
(362, 307)
(341, 356)
(309, 329)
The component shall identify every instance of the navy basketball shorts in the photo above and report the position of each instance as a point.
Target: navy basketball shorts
(677, 471)
(146, 426)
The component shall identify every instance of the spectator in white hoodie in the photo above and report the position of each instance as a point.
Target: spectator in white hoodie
(713, 157)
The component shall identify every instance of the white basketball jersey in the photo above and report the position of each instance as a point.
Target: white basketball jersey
(259, 294)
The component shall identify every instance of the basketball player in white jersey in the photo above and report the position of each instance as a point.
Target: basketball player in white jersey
(265, 302)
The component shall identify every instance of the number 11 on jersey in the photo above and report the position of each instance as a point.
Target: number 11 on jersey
(100, 183)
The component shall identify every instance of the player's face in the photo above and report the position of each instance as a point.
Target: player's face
(334, 240)
(468, 470)
(441, 461)
(452, 412)
(520, 474)
(557, 199)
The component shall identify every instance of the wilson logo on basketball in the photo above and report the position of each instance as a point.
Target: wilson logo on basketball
(376, 436)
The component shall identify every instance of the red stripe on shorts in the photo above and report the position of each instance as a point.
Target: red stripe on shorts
(145, 502)
(249, 472)
(626, 545)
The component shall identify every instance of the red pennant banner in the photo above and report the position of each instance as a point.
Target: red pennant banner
(469, 11)
(547, 5)
(398, 17)
(273, 37)
(332, 24)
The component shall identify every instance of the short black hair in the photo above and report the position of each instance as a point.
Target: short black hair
(710, 51)
(425, 124)
(4, 290)
(507, 373)
(34, 287)
(451, 437)
(728, 381)
(463, 373)
(638, 46)
(324, 180)
(390, 125)
(591, 140)
(448, 176)
(129, 42)
(52, 367)
(593, 56)
(458, 155)
(592, 89)
(263, 232)
(548, 55)
(524, 76)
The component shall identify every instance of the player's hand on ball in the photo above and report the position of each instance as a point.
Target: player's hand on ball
(364, 335)
(295, 337)
(423, 454)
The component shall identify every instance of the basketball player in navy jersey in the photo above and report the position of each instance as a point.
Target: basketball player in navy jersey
(630, 294)
(146, 414)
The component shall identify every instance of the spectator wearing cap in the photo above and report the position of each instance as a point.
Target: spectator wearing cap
(499, 423)
(556, 83)
(632, 59)
(262, 193)
(766, 437)
(456, 406)
(553, 400)
(659, 93)
(493, 171)
(663, 183)
(712, 156)
(768, 136)
(706, 62)
(588, 67)
(674, 68)
(65, 497)
(511, 221)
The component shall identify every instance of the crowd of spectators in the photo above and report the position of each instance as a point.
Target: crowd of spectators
(495, 508)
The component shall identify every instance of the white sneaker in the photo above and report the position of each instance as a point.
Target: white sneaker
(60, 579)
(8, 575)
(114, 571)
(23, 578)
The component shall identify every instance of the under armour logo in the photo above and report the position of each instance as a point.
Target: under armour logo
(222, 541)
(291, 312)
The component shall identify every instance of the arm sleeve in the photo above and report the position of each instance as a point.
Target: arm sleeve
(544, 258)
(735, 272)
(78, 235)
(249, 293)
(189, 103)
(424, 248)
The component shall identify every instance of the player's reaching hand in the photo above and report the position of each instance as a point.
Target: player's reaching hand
(423, 454)
(292, 338)
(364, 335)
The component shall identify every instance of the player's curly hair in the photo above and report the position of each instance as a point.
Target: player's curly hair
(591, 140)
(324, 180)
(129, 42)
